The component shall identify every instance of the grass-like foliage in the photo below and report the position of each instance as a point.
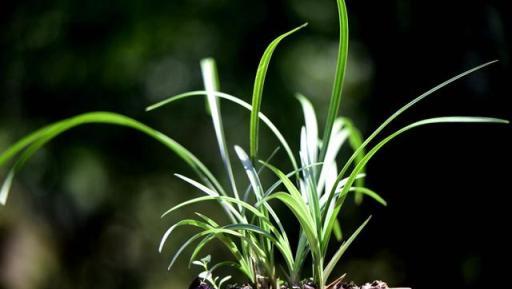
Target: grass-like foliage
(314, 191)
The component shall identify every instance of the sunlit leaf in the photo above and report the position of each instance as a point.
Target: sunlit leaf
(257, 93)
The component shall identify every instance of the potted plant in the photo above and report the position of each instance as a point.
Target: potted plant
(314, 191)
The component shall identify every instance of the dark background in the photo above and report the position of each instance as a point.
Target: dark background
(85, 212)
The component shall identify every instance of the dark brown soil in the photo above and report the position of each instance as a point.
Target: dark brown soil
(341, 285)
(372, 285)
(197, 284)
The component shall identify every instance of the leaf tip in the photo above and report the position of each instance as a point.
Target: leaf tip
(299, 96)
(242, 155)
(6, 187)
(207, 60)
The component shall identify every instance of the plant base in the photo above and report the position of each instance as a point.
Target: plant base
(304, 285)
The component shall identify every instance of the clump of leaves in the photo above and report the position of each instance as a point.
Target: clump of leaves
(315, 190)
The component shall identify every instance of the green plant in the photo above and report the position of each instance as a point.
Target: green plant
(207, 274)
(321, 189)
(314, 191)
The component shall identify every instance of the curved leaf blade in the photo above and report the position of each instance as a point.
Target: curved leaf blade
(257, 93)
(337, 256)
(45, 134)
(240, 102)
(210, 79)
(341, 65)
(404, 108)
(330, 219)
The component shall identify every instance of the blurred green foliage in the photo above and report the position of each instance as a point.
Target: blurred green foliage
(85, 213)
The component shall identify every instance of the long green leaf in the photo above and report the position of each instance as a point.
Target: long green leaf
(250, 228)
(251, 172)
(368, 192)
(337, 256)
(240, 102)
(200, 235)
(337, 139)
(323, 200)
(341, 64)
(210, 79)
(258, 90)
(300, 257)
(49, 132)
(186, 222)
(296, 205)
(281, 242)
(308, 185)
(404, 108)
(217, 198)
(311, 126)
(355, 139)
(230, 245)
(276, 184)
(260, 170)
(329, 222)
(258, 191)
(223, 264)
(287, 183)
(230, 210)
